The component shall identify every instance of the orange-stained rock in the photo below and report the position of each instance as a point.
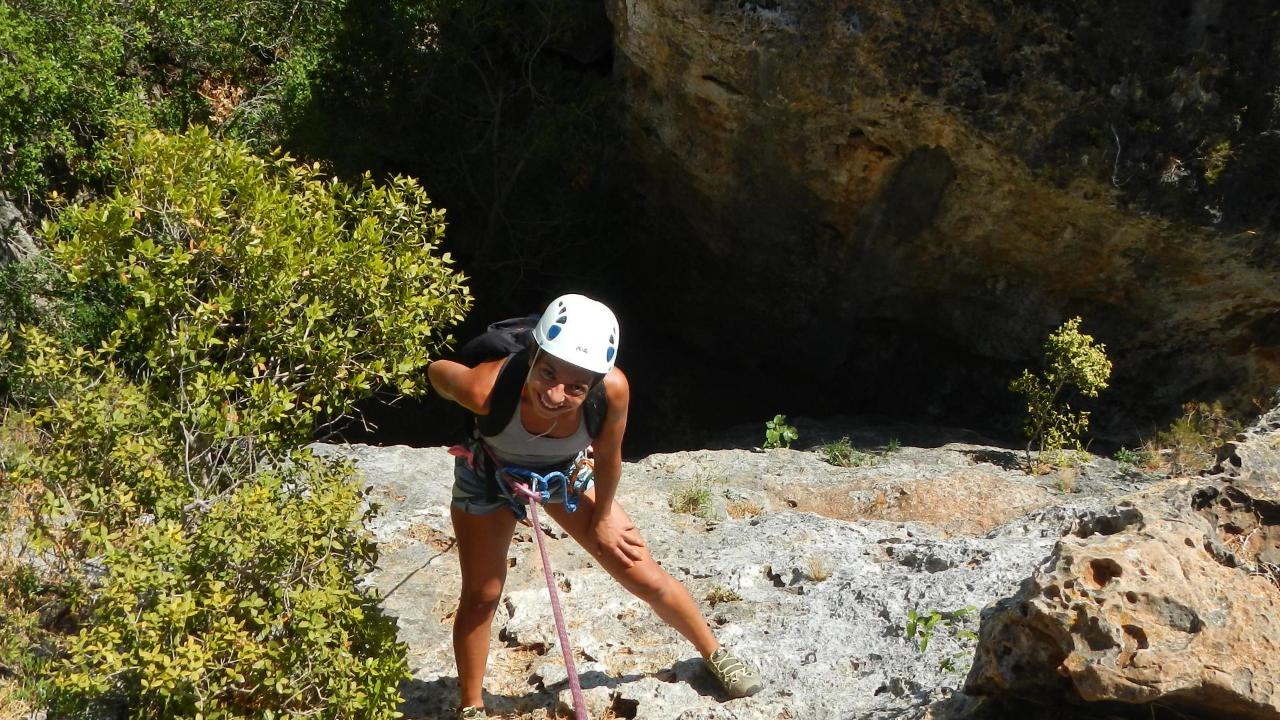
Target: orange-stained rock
(1170, 600)
(791, 154)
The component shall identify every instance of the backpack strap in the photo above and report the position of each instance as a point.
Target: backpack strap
(504, 399)
(594, 408)
(505, 396)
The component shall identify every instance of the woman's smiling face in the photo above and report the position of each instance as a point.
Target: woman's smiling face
(555, 387)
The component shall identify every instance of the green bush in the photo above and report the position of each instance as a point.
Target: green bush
(219, 584)
(60, 90)
(35, 292)
(186, 559)
(1072, 361)
(256, 608)
(256, 294)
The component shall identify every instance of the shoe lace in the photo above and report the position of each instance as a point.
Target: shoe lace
(728, 667)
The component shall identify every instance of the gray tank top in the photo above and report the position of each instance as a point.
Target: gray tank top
(518, 447)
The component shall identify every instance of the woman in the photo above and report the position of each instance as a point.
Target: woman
(570, 373)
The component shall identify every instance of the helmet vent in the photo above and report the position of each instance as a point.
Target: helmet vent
(553, 331)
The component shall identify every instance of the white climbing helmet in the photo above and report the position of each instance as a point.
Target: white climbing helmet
(580, 331)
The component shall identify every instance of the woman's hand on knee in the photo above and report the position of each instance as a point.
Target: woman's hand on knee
(619, 541)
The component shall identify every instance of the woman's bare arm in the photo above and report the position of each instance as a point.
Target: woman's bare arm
(469, 387)
(623, 542)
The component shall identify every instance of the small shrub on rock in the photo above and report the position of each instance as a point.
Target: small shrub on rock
(721, 594)
(1191, 442)
(1073, 361)
(778, 434)
(842, 453)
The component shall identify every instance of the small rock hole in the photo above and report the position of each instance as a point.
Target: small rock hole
(1102, 571)
(1131, 596)
(1139, 636)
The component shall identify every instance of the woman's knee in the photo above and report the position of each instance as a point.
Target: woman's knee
(483, 598)
(648, 581)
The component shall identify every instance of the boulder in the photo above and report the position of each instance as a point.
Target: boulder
(1165, 605)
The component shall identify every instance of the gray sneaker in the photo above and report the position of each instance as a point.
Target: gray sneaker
(737, 679)
(471, 713)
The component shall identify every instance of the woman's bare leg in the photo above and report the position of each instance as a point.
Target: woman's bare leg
(483, 541)
(645, 579)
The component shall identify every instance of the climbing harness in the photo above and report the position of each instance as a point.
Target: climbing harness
(505, 477)
(538, 488)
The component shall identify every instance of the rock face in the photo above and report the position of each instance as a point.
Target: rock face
(906, 185)
(15, 242)
(808, 570)
(1167, 603)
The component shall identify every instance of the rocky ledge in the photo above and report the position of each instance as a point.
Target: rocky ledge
(1106, 590)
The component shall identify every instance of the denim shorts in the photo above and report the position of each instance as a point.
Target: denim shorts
(475, 495)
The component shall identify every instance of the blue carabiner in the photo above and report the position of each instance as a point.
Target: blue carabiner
(545, 485)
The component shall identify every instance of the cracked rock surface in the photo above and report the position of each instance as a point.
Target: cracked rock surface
(807, 570)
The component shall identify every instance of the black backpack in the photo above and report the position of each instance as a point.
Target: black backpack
(512, 339)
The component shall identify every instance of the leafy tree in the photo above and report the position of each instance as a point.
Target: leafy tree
(1072, 360)
(71, 70)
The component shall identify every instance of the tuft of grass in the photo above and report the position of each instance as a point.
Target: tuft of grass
(12, 705)
(1066, 478)
(893, 446)
(838, 453)
(693, 499)
(721, 594)
(842, 453)
(819, 570)
(743, 509)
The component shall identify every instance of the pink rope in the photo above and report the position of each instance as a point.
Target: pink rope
(575, 687)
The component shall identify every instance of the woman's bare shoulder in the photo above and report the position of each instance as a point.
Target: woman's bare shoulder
(616, 386)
